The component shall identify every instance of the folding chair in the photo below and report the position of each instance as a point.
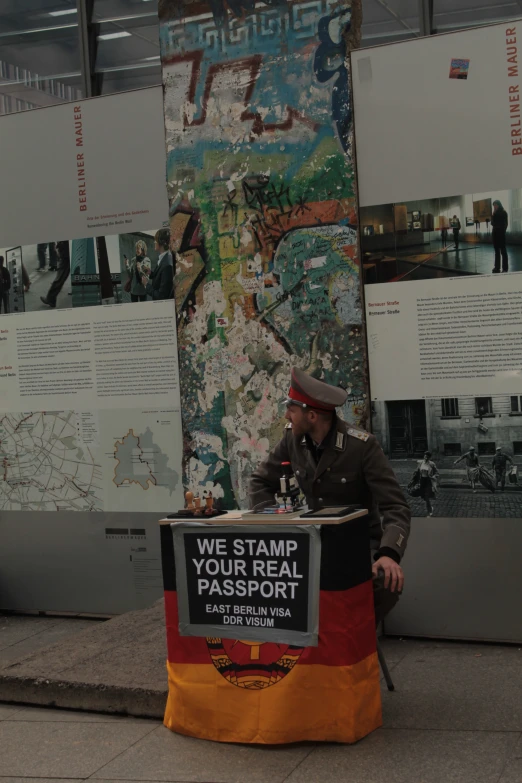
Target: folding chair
(384, 667)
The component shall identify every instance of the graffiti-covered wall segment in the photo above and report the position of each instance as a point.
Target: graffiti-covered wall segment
(263, 220)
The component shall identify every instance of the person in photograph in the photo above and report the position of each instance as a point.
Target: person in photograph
(25, 279)
(427, 476)
(160, 283)
(499, 224)
(455, 223)
(53, 256)
(62, 273)
(5, 286)
(499, 464)
(472, 465)
(135, 269)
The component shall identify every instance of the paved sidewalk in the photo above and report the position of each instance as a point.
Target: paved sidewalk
(114, 666)
(456, 717)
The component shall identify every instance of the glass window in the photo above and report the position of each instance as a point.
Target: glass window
(517, 447)
(450, 407)
(486, 448)
(39, 54)
(516, 404)
(483, 406)
(128, 51)
(455, 14)
(452, 450)
(395, 20)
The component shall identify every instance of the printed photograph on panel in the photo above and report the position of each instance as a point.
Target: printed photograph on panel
(455, 456)
(35, 277)
(122, 268)
(474, 234)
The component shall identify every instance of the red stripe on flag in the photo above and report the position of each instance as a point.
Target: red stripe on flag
(346, 630)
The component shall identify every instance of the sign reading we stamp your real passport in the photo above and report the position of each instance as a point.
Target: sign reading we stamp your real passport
(248, 582)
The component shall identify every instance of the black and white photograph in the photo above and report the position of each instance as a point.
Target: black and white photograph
(35, 277)
(455, 456)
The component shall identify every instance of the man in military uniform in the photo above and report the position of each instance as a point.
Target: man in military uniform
(499, 464)
(335, 463)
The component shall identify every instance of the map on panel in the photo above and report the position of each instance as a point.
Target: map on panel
(45, 464)
(139, 460)
(140, 453)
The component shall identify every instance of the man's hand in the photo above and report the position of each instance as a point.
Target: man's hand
(393, 573)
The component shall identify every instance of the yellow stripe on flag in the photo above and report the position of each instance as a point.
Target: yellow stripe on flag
(329, 703)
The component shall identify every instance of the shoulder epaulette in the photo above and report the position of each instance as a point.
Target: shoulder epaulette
(359, 434)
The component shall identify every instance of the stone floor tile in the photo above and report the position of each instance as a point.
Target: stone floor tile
(455, 692)
(49, 715)
(14, 629)
(435, 648)
(512, 772)
(39, 780)
(165, 756)
(392, 756)
(63, 750)
(44, 635)
(8, 711)
(394, 650)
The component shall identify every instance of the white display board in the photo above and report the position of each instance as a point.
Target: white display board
(83, 169)
(438, 129)
(422, 133)
(90, 420)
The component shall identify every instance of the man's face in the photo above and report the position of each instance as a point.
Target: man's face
(299, 419)
(495, 207)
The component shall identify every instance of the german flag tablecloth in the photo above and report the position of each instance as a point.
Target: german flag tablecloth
(242, 691)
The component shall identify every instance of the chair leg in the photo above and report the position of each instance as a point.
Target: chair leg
(384, 667)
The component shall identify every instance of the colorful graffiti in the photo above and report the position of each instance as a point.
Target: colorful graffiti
(263, 221)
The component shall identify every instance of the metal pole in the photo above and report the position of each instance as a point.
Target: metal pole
(88, 36)
(426, 17)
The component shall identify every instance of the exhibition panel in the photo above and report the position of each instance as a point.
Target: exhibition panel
(441, 252)
(90, 409)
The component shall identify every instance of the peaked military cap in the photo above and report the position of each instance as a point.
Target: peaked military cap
(308, 392)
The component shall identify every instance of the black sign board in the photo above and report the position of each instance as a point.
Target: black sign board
(249, 582)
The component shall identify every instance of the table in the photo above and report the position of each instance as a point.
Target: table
(243, 690)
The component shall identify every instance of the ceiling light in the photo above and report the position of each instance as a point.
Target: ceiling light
(109, 36)
(64, 12)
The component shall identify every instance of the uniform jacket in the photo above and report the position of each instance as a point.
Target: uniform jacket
(352, 470)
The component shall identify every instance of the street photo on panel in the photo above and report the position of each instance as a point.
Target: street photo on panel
(455, 456)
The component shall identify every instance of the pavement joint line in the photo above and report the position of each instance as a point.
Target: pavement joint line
(314, 747)
(122, 752)
(31, 636)
(108, 648)
(450, 731)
